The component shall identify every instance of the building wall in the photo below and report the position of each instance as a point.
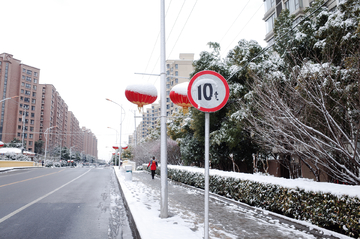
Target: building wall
(178, 71)
(273, 9)
(37, 108)
(18, 115)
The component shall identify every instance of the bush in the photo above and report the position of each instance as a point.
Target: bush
(336, 213)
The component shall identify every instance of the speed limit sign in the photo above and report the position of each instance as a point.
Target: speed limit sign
(208, 91)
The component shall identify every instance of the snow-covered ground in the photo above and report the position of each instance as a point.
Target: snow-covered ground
(144, 205)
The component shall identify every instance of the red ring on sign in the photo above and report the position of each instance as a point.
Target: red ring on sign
(227, 91)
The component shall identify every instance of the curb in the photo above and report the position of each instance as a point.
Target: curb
(134, 230)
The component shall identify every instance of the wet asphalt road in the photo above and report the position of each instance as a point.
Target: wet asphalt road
(61, 203)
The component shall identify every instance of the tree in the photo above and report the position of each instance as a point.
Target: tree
(308, 106)
(39, 147)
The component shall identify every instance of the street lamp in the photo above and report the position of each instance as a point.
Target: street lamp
(9, 98)
(121, 120)
(70, 154)
(116, 147)
(45, 133)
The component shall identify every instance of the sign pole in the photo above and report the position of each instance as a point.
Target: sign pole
(208, 91)
(207, 129)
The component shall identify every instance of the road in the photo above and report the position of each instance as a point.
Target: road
(61, 203)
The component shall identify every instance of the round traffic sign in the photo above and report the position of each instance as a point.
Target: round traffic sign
(208, 91)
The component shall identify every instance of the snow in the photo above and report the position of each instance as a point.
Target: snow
(147, 89)
(10, 150)
(302, 183)
(181, 89)
(145, 207)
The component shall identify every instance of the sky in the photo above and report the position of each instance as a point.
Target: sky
(144, 205)
(90, 50)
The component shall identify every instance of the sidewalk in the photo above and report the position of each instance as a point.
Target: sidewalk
(227, 218)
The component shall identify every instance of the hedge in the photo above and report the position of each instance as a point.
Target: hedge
(336, 213)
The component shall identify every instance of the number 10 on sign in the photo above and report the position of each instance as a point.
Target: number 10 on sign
(208, 91)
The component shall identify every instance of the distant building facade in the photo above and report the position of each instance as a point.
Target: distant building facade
(36, 110)
(177, 71)
(273, 9)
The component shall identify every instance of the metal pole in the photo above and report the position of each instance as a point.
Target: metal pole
(206, 221)
(121, 119)
(164, 186)
(135, 126)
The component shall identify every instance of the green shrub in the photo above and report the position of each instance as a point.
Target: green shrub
(336, 213)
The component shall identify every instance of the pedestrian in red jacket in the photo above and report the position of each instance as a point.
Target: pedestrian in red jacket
(153, 165)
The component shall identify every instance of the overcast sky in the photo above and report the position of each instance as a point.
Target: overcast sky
(89, 50)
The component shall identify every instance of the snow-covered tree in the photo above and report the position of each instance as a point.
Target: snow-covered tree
(307, 105)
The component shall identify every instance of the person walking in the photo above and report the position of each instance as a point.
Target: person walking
(153, 165)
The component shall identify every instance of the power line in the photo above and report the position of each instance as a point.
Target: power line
(234, 21)
(243, 28)
(183, 28)
(276, 40)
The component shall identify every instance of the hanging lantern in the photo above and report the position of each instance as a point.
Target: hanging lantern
(1, 144)
(115, 147)
(178, 96)
(141, 94)
(125, 147)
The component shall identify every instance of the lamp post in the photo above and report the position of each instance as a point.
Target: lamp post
(121, 120)
(45, 133)
(70, 154)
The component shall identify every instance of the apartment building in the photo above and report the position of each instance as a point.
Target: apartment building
(20, 115)
(177, 71)
(273, 9)
(35, 110)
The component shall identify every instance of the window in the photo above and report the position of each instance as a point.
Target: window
(269, 4)
(27, 99)
(24, 70)
(32, 107)
(18, 134)
(293, 5)
(176, 80)
(31, 136)
(31, 121)
(176, 73)
(34, 94)
(167, 65)
(32, 115)
(176, 66)
(29, 72)
(33, 101)
(19, 126)
(23, 77)
(19, 119)
(31, 129)
(270, 23)
(28, 78)
(35, 81)
(35, 74)
(22, 91)
(34, 87)
(27, 92)
(22, 84)
(28, 86)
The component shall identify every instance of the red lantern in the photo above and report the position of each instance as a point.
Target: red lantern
(115, 147)
(141, 94)
(178, 96)
(1, 144)
(125, 147)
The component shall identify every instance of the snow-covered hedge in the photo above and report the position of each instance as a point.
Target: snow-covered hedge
(14, 156)
(340, 213)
